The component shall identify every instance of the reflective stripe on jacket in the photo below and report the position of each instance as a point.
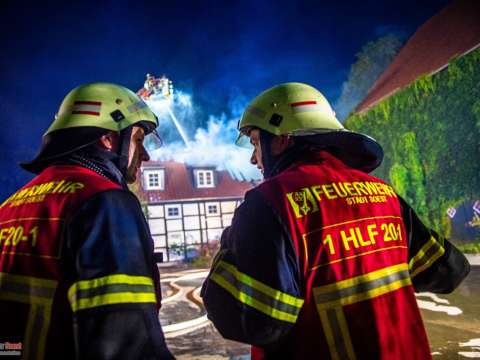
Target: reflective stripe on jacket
(76, 265)
(348, 231)
(319, 261)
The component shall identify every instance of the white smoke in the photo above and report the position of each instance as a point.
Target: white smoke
(213, 145)
(181, 106)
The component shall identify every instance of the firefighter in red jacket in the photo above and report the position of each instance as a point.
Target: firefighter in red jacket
(77, 276)
(322, 260)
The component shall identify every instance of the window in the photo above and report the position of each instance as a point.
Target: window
(154, 179)
(173, 211)
(212, 209)
(205, 178)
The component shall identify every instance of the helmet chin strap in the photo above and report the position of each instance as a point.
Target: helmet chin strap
(123, 150)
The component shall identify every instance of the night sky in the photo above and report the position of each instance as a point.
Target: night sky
(216, 51)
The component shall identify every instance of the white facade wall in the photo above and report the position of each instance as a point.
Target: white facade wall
(229, 206)
(157, 226)
(155, 211)
(190, 209)
(199, 222)
(191, 222)
(174, 225)
(159, 241)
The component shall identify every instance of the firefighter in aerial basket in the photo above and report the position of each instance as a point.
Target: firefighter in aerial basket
(77, 275)
(323, 260)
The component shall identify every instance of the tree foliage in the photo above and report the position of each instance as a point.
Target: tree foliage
(372, 60)
(430, 132)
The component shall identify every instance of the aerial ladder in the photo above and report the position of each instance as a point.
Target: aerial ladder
(161, 89)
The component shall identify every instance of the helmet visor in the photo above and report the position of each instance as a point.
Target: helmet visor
(154, 139)
(243, 141)
(243, 138)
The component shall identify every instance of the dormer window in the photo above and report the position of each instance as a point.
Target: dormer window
(204, 178)
(154, 179)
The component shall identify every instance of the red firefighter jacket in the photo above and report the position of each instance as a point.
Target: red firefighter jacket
(77, 276)
(322, 261)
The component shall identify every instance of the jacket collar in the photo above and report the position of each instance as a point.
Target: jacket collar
(305, 154)
(100, 161)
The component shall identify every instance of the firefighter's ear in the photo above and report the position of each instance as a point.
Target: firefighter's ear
(109, 141)
(280, 143)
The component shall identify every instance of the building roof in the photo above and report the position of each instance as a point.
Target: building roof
(179, 184)
(455, 30)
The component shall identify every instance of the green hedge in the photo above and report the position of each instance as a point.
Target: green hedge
(430, 132)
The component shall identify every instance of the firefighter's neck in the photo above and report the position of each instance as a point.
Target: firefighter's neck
(273, 150)
(280, 144)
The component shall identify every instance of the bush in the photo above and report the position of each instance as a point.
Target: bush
(205, 254)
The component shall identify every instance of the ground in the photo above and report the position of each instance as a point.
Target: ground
(456, 336)
(452, 321)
